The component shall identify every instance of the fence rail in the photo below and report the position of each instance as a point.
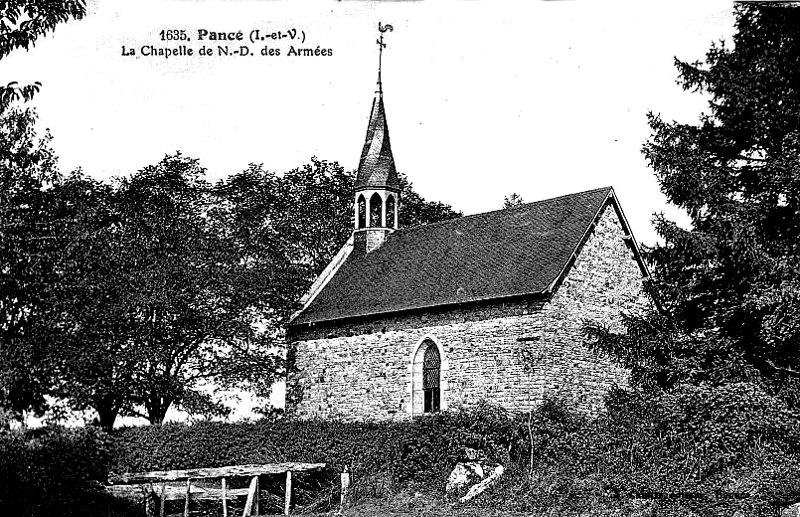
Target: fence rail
(152, 486)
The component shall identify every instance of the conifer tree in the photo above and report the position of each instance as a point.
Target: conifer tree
(730, 283)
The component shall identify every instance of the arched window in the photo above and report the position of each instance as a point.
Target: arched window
(431, 369)
(426, 379)
(390, 211)
(362, 212)
(375, 210)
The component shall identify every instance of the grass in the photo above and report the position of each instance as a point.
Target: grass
(422, 505)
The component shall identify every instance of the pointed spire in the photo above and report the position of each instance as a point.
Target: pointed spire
(376, 168)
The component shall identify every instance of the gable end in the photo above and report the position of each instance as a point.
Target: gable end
(628, 238)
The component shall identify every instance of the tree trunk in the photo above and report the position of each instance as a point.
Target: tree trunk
(107, 412)
(157, 409)
(107, 418)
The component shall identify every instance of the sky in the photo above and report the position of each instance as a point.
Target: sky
(484, 98)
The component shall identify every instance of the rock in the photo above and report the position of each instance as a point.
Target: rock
(483, 485)
(463, 475)
(474, 454)
(791, 511)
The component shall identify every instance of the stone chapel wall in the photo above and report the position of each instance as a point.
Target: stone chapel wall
(363, 370)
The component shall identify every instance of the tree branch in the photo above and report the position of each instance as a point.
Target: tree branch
(783, 368)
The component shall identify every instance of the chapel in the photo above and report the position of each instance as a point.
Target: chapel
(488, 307)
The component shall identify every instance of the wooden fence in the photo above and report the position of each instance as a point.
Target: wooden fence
(153, 486)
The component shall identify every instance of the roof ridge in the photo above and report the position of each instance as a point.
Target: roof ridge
(518, 207)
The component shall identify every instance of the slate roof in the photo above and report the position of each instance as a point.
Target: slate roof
(506, 253)
(376, 168)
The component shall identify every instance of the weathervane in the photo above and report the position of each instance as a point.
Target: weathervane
(381, 45)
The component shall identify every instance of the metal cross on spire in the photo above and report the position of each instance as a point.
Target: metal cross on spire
(381, 45)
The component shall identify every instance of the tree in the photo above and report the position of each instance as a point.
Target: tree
(155, 304)
(513, 200)
(293, 223)
(731, 282)
(416, 210)
(92, 372)
(298, 221)
(22, 22)
(28, 221)
(29, 239)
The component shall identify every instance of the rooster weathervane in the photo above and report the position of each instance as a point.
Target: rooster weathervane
(381, 45)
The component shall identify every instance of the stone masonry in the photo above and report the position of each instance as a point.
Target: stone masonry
(511, 353)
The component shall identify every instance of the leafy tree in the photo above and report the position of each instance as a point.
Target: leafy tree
(293, 223)
(731, 282)
(513, 200)
(28, 219)
(29, 237)
(298, 221)
(154, 306)
(92, 372)
(416, 210)
(22, 22)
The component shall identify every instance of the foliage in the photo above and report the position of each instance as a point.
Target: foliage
(299, 220)
(29, 237)
(698, 450)
(151, 306)
(27, 218)
(415, 210)
(712, 427)
(513, 200)
(660, 353)
(56, 471)
(22, 22)
(702, 450)
(292, 223)
(87, 366)
(731, 280)
(419, 451)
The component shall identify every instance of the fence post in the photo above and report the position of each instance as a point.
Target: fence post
(288, 492)
(224, 497)
(251, 507)
(188, 494)
(150, 501)
(163, 500)
(345, 487)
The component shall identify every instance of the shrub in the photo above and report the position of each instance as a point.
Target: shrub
(55, 471)
(702, 449)
(695, 450)
(421, 451)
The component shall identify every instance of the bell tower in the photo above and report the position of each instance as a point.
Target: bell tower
(377, 190)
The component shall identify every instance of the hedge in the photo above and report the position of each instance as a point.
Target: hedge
(420, 451)
(56, 471)
(704, 450)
